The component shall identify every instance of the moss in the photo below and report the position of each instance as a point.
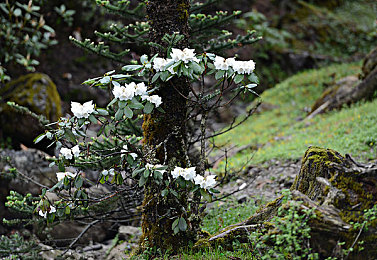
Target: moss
(315, 163)
(35, 91)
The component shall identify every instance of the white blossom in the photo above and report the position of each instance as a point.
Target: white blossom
(178, 171)
(124, 93)
(44, 214)
(82, 111)
(186, 55)
(220, 63)
(60, 175)
(199, 180)
(140, 89)
(159, 64)
(66, 152)
(125, 150)
(210, 182)
(189, 174)
(75, 151)
(243, 67)
(155, 99)
(108, 172)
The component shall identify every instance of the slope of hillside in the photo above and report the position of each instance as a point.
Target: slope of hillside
(279, 131)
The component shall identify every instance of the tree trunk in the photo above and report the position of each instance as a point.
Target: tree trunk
(349, 90)
(339, 190)
(165, 134)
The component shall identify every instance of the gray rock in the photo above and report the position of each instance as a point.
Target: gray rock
(129, 233)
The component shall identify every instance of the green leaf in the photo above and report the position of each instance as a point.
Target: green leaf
(132, 67)
(142, 181)
(214, 190)
(105, 80)
(78, 182)
(146, 173)
(206, 195)
(119, 114)
(158, 175)
(155, 77)
(61, 166)
(102, 112)
(67, 210)
(69, 135)
(238, 78)
(128, 112)
(112, 102)
(148, 108)
(164, 193)
(182, 224)
(253, 78)
(93, 119)
(122, 103)
(39, 138)
(135, 104)
(164, 75)
(174, 192)
(136, 172)
(219, 74)
(175, 224)
(196, 67)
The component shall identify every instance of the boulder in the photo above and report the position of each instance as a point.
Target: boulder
(39, 94)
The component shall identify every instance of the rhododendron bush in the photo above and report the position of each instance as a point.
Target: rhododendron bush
(124, 158)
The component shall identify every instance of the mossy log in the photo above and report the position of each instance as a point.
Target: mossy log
(338, 189)
(350, 91)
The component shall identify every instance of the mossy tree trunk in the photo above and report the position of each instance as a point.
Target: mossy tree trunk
(339, 190)
(165, 134)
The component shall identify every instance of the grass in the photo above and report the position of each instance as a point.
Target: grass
(280, 134)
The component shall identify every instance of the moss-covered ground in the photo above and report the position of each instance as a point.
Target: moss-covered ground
(281, 133)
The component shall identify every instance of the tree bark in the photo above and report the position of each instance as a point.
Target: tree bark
(165, 134)
(339, 190)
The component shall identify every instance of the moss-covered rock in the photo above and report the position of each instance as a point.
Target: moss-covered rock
(38, 93)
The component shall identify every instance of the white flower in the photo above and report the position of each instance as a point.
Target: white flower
(66, 152)
(61, 175)
(124, 93)
(220, 63)
(133, 155)
(82, 111)
(199, 180)
(75, 151)
(140, 89)
(178, 171)
(52, 210)
(108, 172)
(243, 67)
(189, 174)
(125, 150)
(250, 66)
(230, 61)
(155, 99)
(186, 55)
(210, 182)
(159, 64)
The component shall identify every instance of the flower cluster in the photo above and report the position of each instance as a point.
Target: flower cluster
(129, 91)
(82, 111)
(189, 174)
(110, 172)
(186, 55)
(44, 214)
(241, 67)
(67, 153)
(61, 175)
